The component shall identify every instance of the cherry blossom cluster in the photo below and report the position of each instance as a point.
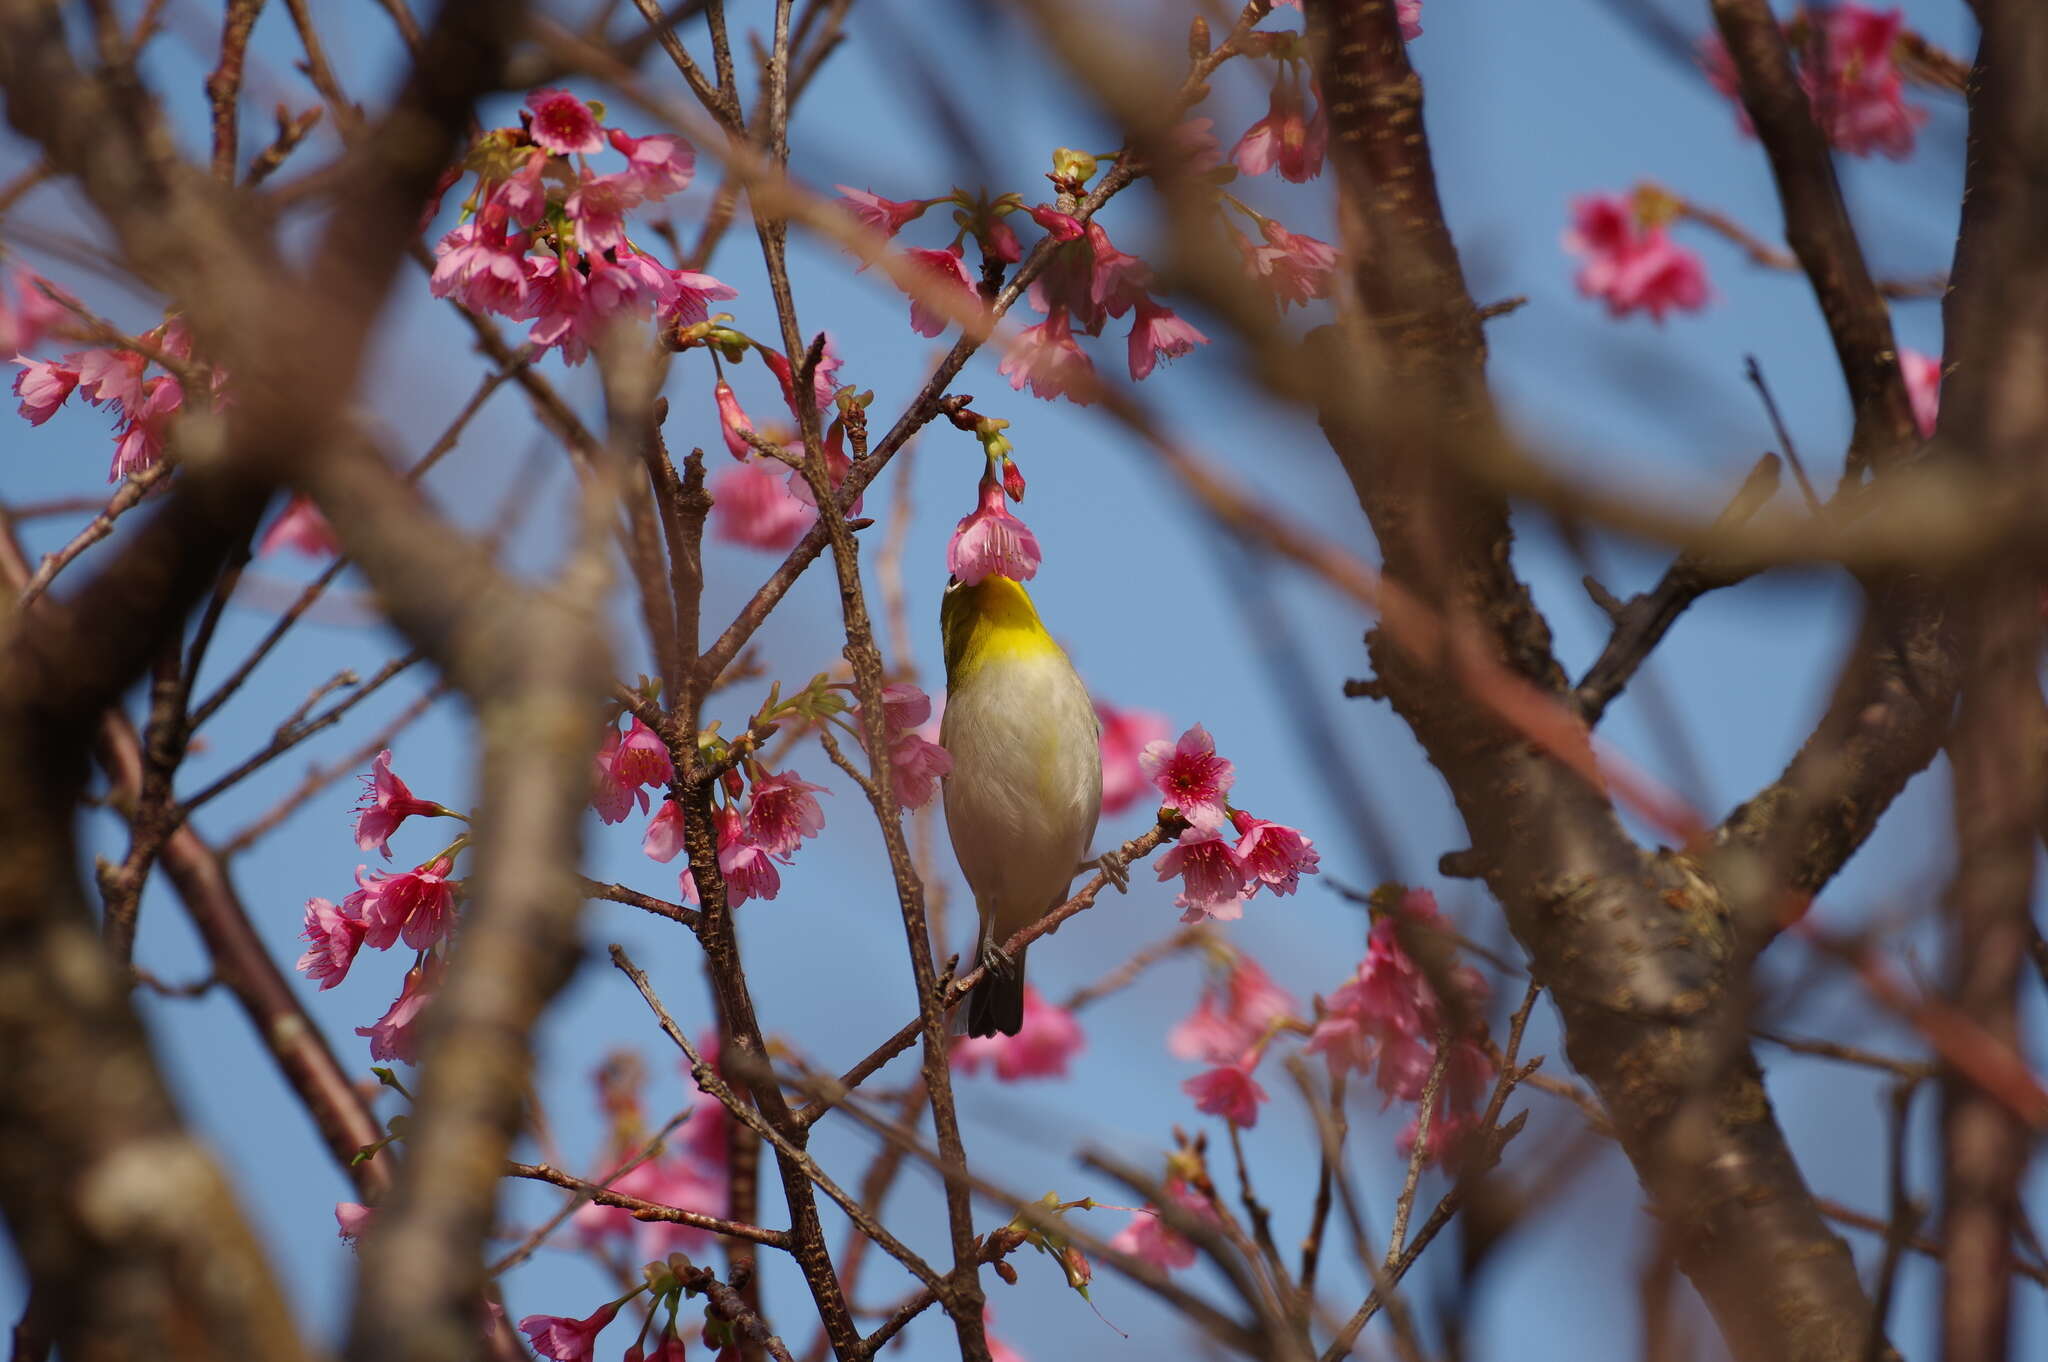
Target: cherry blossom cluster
(759, 819)
(1847, 57)
(1631, 263)
(129, 380)
(544, 236)
(1389, 1021)
(689, 1173)
(1226, 856)
(416, 907)
(1391, 1016)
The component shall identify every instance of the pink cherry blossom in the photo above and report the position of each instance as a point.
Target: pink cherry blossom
(837, 467)
(141, 443)
(1228, 1022)
(524, 197)
(1274, 854)
(1849, 70)
(1046, 357)
(1290, 138)
(418, 904)
(598, 206)
(1157, 333)
(658, 165)
(352, 1218)
(42, 386)
(783, 812)
(1228, 1091)
(886, 216)
(1048, 1039)
(1467, 1075)
(564, 1339)
(386, 803)
(732, 420)
(664, 839)
(1212, 876)
(1296, 266)
(990, 542)
(555, 300)
(689, 295)
(563, 124)
(1062, 226)
(393, 1035)
(824, 378)
(947, 272)
(483, 269)
(677, 1180)
(1628, 266)
(754, 507)
(333, 936)
(1923, 387)
(1148, 1237)
(1193, 781)
(749, 869)
(905, 706)
(1125, 735)
(998, 1351)
(623, 765)
(109, 377)
(23, 326)
(1117, 279)
(303, 528)
(1409, 13)
(915, 765)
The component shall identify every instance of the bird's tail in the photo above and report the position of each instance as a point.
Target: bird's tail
(997, 1003)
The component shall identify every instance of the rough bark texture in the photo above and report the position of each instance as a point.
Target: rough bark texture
(1635, 945)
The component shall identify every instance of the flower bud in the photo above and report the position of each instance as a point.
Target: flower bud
(1198, 39)
(1077, 167)
(1013, 479)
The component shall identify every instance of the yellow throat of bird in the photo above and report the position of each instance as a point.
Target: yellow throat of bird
(990, 621)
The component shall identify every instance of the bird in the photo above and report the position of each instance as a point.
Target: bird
(1025, 789)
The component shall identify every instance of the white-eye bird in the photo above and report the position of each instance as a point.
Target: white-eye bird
(1026, 784)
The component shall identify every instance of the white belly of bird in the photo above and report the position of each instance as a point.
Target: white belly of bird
(1026, 786)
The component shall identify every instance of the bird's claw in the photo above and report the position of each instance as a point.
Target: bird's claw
(997, 961)
(1116, 869)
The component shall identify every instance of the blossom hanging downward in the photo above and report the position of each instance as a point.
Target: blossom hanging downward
(623, 765)
(303, 528)
(1229, 1021)
(915, 761)
(1290, 138)
(1631, 266)
(1848, 65)
(990, 542)
(1149, 1237)
(1228, 1091)
(564, 1339)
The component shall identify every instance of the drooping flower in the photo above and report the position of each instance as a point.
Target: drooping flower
(352, 1218)
(947, 272)
(598, 207)
(141, 443)
(1194, 143)
(915, 765)
(563, 124)
(417, 904)
(301, 527)
(1157, 333)
(990, 542)
(783, 812)
(1147, 1236)
(1291, 137)
(1228, 1091)
(482, 267)
(1409, 13)
(664, 837)
(1631, 267)
(1296, 266)
(658, 165)
(392, 1036)
(824, 377)
(564, 1339)
(887, 216)
(749, 869)
(1047, 357)
(1048, 1039)
(386, 803)
(333, 936)
(1212, 876)
(623, 765)
(1923, 387)
(732, 420)
(1847, 64)
(109, 377)
(687, 297)
(1193, 781)
(753, 507)
(1227, 1022)
(1274, 854)
(1125, 735)
(1062, 226)
(667, 1180)
(1117, 279)
(905, 706)
(23, 326)
(42, 385)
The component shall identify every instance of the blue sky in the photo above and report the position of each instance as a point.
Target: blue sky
(1528, 106)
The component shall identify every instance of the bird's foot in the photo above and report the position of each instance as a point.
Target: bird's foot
(997, 961)
(1115, 868)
